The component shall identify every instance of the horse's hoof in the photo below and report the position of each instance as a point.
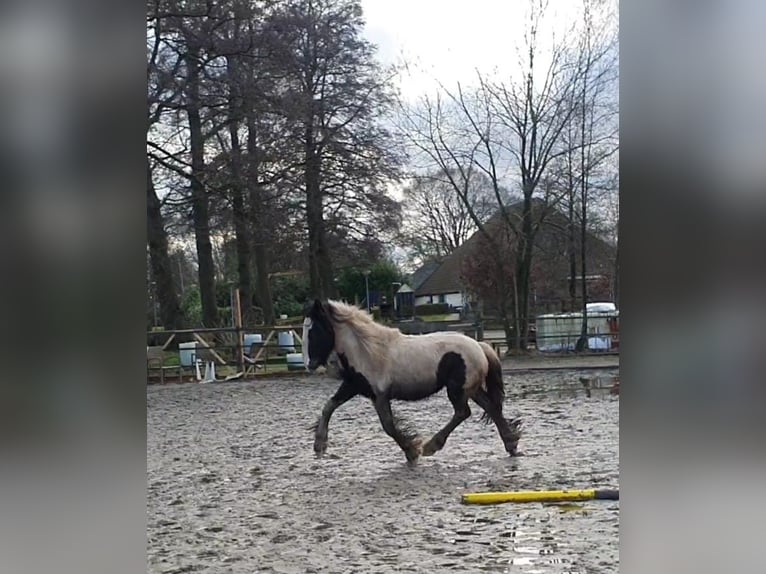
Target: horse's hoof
(429, 449)
(320, 449)
(414, 450)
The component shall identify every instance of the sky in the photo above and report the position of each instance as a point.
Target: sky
(448, 40)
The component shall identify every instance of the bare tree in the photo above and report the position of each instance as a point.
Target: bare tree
(436, 220)
(534, 109)
(507, 131)
(455, 136)
(595, 119)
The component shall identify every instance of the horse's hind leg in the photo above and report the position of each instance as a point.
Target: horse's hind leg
(406, 440)
(452, 374)
(462, 412)
(509, 431)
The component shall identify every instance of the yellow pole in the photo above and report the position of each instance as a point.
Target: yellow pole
(540, 496)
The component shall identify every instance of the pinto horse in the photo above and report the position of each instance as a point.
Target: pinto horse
(383, 364)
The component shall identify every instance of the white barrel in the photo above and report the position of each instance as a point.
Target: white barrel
(250, 339)
(286, 341)
(187, 353)
(295, 362)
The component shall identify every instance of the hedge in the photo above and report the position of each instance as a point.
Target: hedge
(432, 309)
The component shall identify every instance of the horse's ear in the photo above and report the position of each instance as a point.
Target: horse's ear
(313, 310)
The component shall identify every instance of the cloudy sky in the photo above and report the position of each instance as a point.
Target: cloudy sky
(448, 40)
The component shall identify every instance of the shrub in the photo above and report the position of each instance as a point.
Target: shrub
(432, 309)
(192, 307)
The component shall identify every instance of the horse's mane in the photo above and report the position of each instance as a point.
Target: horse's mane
(372, 337)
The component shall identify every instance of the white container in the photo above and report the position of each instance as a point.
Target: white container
(187, 353)
(295, 362)
(600, 308)
(250, 339)
(286, 341)
(557, 332)
(560, 332)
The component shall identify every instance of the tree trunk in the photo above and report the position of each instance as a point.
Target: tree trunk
(259, 235)
(320, 266)
(571, 235)
(241, 231)
(516, 313)
(159, 258)
(242, 240)
(582, 342)
(523, 271)
(200, 207)
(262, 281)
(616, 283)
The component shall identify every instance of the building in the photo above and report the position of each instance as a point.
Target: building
(443, 282)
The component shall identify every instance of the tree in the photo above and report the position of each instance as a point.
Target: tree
(534, 110)
(508, 130)
(245, 83)
(353, 283)
(335, 93)
(596, 143)
(181, 37)
(456, 138)
(436, 220)
(159, 97)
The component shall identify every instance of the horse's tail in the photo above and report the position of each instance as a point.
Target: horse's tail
(494, 381)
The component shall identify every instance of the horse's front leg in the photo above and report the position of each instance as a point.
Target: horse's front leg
(407, 441)
(344, 393)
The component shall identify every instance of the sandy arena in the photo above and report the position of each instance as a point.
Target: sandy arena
(234, 485)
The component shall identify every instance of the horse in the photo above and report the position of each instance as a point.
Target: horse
(382, 364)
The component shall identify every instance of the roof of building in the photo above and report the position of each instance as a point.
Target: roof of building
(446, 278)
(423, 273)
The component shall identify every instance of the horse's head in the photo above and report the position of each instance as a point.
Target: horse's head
(318, 335)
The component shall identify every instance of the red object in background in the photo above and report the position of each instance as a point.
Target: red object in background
(614, 330)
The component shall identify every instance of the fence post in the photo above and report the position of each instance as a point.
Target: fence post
(238, 329)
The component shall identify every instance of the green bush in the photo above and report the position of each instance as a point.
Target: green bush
(192, 307)
(290, 294)
(224, 317)
(288, 307)
(383, 274)
(432, 309)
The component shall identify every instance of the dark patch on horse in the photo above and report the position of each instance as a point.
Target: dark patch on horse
(321, 335)
(414, 392)
(451, 368)
(451, 373)
(354, 378)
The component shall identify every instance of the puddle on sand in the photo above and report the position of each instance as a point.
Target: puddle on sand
(234, 485)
